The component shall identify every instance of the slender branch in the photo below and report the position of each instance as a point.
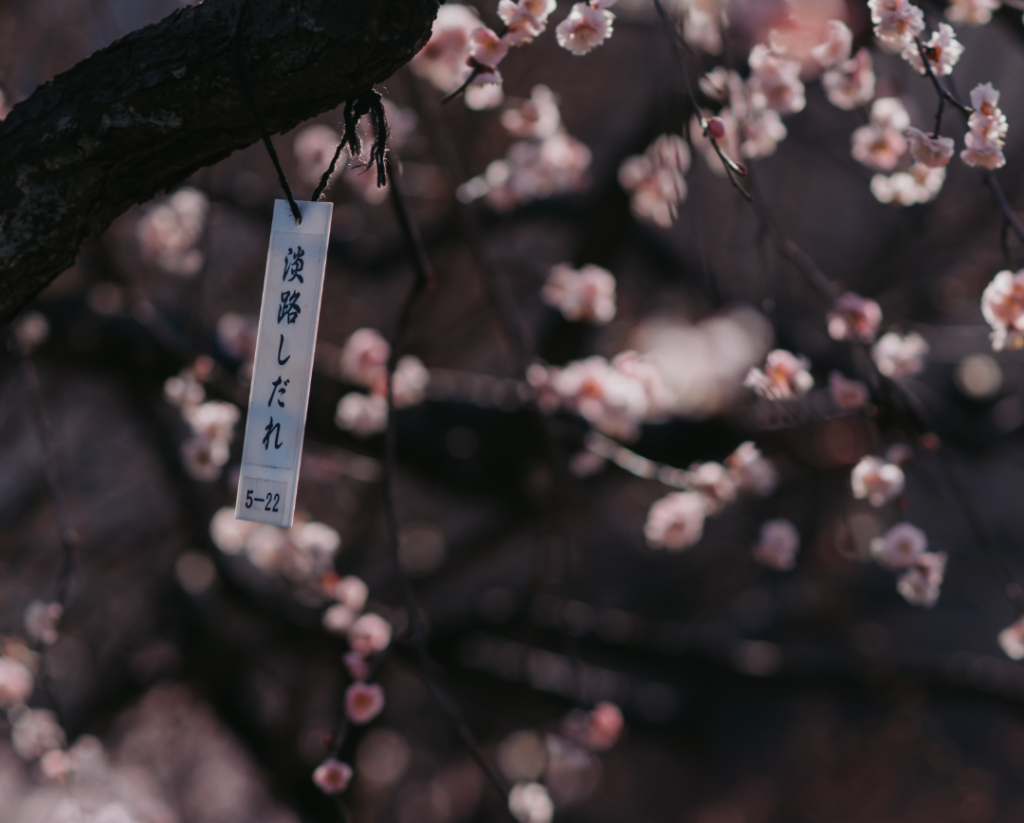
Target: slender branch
(1004, 205)
(422, 281)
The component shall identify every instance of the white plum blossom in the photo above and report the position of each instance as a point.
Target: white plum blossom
(930, 151)
(847, 394)
(584, 29)
(777, 79)
(854, 318)
(1002, 304)
(897, 22)
(676, 521)
(362, 414)
(409, 382)
(988, 127)
(900, 547)
(586, 295)
(880, 144)
(852, 84)
(168, 232)
(920, 583)
(712, 481)
(777, 545)
(1011, 640)
(537, 118)
(352, 592)
(522, 25)
(612, 401)
(655, 180)
(364, 359)
(750, 471)
(919, 184)
(338, 619)
(943, 51)
(835, 45)
(531, 803)
(785, 376)
(332, 776)
(900, 356)
(971, 12)
(370, 634)
(876, 481)
(16, 682)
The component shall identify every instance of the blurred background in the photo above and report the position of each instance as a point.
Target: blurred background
(193, 665)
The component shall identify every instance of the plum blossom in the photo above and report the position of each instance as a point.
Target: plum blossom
(338, 619)
(900, 547)
(847, 394)
(586, 295)
(880, 144)
(835, 45)
(655, 180)
(524, 20)
(900, 356)
(364, 358)
(370, 634)
(676, 522)
(712, 481)
(16, 682)
(777, 80)
(531, 803)
(971, 12)
(854, 318)
(363, 702)
(1002, 304)
(537, 118)
(603, 727)
(586, 28)
(351, 592)
(930, 151)
(612, 401)
(29, 332)
(41, 621)
(1011, 640)
(702, 24)
(362, 414)
(897, 22)
(410, 381)
(442, 61)
(852, 84)
(919, 184)
(168, 232)
(750, 471)
(920, 583)
(314, 148)
(988, 127)
(777, 545)
(785, 376)
(943, 51)
(357, 665)
(660, 398)
(877, 481)
(35, 732)
(332, 776)
(486, 49)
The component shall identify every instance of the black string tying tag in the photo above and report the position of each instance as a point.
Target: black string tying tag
(368, 103)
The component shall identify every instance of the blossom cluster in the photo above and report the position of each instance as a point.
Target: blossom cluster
(301, 553)
(676, 521)
(1002, 304)
(168, 232)
(655, 180)
(545, 161)
(212, 423)
(364, 361)
(586, 295)
(903, 548)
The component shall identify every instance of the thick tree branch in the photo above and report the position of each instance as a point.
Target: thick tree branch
(144, 113)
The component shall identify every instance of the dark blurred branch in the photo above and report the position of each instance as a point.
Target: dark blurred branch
(144, 113)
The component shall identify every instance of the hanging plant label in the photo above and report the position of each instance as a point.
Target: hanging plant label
(283, 369)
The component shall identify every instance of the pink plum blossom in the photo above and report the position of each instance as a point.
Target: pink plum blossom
(35, 732)
(604, 726)
(338, 619)
(777, 80)
(852, 84)
(880, 144)
(41, 621)
(332, 776)
(712, 481)
(919, 184)
(751, 472)
(586, 295)
(920, 583)
(930, 151)
(988, 127)
(854, 318)
(352, 592)
(363, 702)
(655, 180)
(613, 402)
(370, 634)
(971, 12)
(1011, 640)
(364, 358)
(835, 45)
(537, 118)
(877, 481)
(363, 415)
(486, 49)
(16, 682)
(676, 522)
(897, 22)
(785, 376)
(777, 545)
(521, 27)
(900, 547)
(847, 394)
(1002, 304)
(584, 29)
(943, 51)
(358, 666)
(900, 356)
(442, 61)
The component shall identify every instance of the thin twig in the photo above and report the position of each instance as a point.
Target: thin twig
(423, 278)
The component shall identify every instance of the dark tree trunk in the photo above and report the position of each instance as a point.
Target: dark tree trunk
(142, 114)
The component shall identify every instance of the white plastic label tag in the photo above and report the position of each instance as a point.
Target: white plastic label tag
(283, 370)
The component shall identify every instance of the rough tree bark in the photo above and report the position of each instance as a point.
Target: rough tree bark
(142, 114)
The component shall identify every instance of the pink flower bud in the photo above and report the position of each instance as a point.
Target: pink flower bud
(716, 128)
(363, 702)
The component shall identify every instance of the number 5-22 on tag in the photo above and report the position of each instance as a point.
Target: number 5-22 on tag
(263, 500)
